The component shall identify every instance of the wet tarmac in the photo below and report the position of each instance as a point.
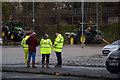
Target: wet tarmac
(15, 54)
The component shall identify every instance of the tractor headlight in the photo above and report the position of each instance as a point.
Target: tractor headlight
(9, 32)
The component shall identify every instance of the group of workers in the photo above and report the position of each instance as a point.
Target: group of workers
(30, 42)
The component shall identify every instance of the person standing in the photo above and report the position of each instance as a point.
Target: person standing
(45, 50)
(57, 47)
(25, 46)
(33, 42)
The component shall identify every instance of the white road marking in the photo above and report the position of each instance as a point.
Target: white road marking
(38, 75)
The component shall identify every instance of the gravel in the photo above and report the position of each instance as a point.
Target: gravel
(92, 61)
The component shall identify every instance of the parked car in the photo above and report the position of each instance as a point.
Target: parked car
(113, 61)
(1, 41)
(112, 47)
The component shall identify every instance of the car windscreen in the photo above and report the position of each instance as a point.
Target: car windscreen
(116, 43)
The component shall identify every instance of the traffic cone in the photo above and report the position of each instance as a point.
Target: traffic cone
(57, 74)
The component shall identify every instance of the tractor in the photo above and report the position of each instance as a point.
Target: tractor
(90, 34)
(12, 31)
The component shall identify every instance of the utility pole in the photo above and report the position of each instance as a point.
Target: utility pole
(72, 16)
(97, 13)
(1, 19)
(33, 17)
(82, 9)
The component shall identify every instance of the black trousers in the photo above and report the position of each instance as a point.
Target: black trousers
(59, 58)
(45, 56)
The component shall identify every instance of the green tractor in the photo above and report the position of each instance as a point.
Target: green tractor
(11, 31)
(90, 34)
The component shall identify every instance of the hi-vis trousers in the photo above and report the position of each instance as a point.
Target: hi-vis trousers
(26, 56)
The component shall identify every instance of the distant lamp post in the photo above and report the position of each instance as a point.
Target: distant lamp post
(97, 13)
(82, 9)
(33, 17)
(33, 20)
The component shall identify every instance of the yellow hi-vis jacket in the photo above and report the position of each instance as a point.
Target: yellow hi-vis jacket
(23, 43)
(58, 44)
(45, 46)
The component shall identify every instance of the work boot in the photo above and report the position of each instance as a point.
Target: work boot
(28, 64)
(43, 65)
(56, 65)
(59, 66)
(33, 65)
(47, 65)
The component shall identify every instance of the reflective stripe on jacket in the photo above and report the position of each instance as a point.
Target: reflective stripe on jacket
(58, 44)
(45, 46)
(23, 43)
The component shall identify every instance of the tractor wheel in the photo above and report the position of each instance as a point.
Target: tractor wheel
(71, 40)
(12, 36)
(75, 41)
(4, 33)
(86, 39)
